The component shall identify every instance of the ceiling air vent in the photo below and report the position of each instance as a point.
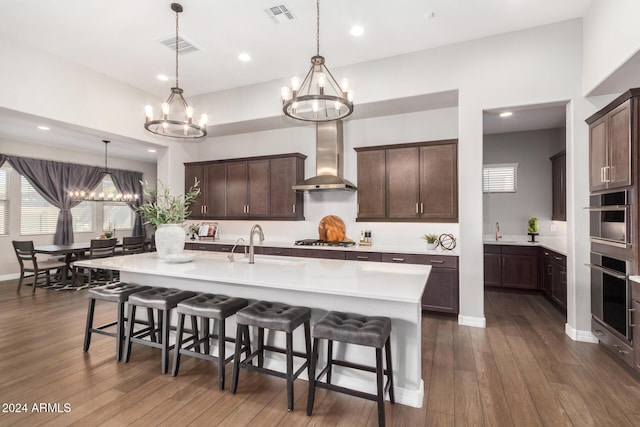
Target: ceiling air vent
(279, 13)
(184, 45)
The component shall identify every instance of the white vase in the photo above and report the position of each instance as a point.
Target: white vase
(169, 240)
(432, 246)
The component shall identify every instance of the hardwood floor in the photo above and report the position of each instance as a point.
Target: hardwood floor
(522, 370)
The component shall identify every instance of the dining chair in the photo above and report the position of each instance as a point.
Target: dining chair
(98, 248)
(132, 245)
(29, 264)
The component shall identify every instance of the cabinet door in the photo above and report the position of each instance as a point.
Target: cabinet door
(441, 292)
(597, 154)
(237, 189)
(215, 190)
(371, 184)
(635, 320)
(559, 284)
(547, 279)
(258, 188)
(284, 176)
(619, 173)
(519, 271)
(492, 269)
(439, 182)
(559, 187)
(192, 172)
(402, 183)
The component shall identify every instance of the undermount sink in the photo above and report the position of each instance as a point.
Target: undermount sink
(269, 260)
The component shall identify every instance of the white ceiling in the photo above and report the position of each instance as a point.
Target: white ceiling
(524, 118)
(119, 37)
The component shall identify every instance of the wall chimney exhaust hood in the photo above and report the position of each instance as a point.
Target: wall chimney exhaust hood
(329, 161)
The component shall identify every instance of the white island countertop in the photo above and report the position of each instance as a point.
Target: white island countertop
(384, 281)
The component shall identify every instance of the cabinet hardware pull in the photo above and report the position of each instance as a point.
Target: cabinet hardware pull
(421, 208)
(293, 207)
(436, 261)
(417, 208)
(247, 208)
(608, 271)
(549, 270)
(607, 174)
(619, 350)
(558, 258)
(397, 259)
(546, 253)
(602, 174)
(277, 253)
(225, 249)
(362, 257)
(632, 315)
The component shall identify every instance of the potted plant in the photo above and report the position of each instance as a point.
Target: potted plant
(167, 212)
(431, 239)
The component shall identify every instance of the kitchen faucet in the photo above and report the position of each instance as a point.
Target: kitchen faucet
(498, 231)
(255, 228)
(230, 256)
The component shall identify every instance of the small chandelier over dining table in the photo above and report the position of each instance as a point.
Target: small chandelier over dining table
(176, 118)
(89, 195)
(319, 98)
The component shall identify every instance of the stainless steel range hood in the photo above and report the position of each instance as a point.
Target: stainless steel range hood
(329, 161)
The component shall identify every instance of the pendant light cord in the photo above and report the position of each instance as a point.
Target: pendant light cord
(177, 29)
(318, 27)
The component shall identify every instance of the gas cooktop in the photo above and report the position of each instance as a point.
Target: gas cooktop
(316, 242)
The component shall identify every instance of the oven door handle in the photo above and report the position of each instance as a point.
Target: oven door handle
(607, 208)
(608, 271)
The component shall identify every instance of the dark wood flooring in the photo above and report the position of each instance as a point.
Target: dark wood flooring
(522, 370)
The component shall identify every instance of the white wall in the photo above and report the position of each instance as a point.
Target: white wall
(611, 38)
(8, 263)
(531, 150)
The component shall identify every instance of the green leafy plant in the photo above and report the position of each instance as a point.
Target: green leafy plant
(108, 234)
(430, 238)
(533, 225)
(162, 207)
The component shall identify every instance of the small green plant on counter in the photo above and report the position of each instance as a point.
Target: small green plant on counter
(430, 238)
(162, 207)
(533, 226)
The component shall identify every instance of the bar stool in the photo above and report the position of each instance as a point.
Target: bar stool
(118, 293)
(206, 306)
(353, 329)
(278, 317)
(163, 300)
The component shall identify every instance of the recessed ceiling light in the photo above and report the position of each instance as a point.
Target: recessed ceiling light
(506, 114)
(162, 77)
(151, 150)
(43, 128)
(357, 31)
(244, 57)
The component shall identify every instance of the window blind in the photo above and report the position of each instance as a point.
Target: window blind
(115, 215)
(500, 178)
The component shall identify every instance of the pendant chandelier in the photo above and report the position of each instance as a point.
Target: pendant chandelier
(176, 118)
(319, 98)
(113, 196)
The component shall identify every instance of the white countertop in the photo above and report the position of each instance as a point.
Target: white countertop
(415, 248)
(635, 279)
(383, 281)
(556, 244)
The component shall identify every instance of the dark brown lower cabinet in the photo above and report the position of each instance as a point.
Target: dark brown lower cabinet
(509, 266)
(555, 277)
(635, 320)
(441, 292)
(317, 253)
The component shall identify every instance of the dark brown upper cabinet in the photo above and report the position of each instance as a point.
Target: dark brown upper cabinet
(247, 188)
(415, 182)
(559, 186)
(610, 143)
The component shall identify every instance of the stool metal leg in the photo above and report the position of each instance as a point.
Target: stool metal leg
(221, 353)
(312, 377)
(132, 320)
(120, 331)
(194, 328)
(87, 331)
(387, 348)
(290, 371)
(152, 325)
(329, 360)
(380, 383)
(236, 357)
(160, 323)
(261, 347)
(176, 354)
(205, 333)
(166, 321)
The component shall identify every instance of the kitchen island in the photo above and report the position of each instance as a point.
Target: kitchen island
(376, 289)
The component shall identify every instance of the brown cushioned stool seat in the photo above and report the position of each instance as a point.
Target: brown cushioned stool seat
(278, 317)
(206, 306)
(117, 293)
(163, 300)
(351, 328)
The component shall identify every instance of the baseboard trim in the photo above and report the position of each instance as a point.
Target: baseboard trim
(578, 335)
(476, 322)
(9, 276)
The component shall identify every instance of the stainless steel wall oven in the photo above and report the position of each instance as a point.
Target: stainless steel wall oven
(611, 293)
(610, 219)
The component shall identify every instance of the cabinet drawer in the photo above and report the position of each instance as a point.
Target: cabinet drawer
(199, 247)
(277, 251)
(519, 250)
(223, 248)
(364, 256)
(554, 257)
(317, 253)
(405, 258)
(442, 261)
(492, 249)
(613, 343)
